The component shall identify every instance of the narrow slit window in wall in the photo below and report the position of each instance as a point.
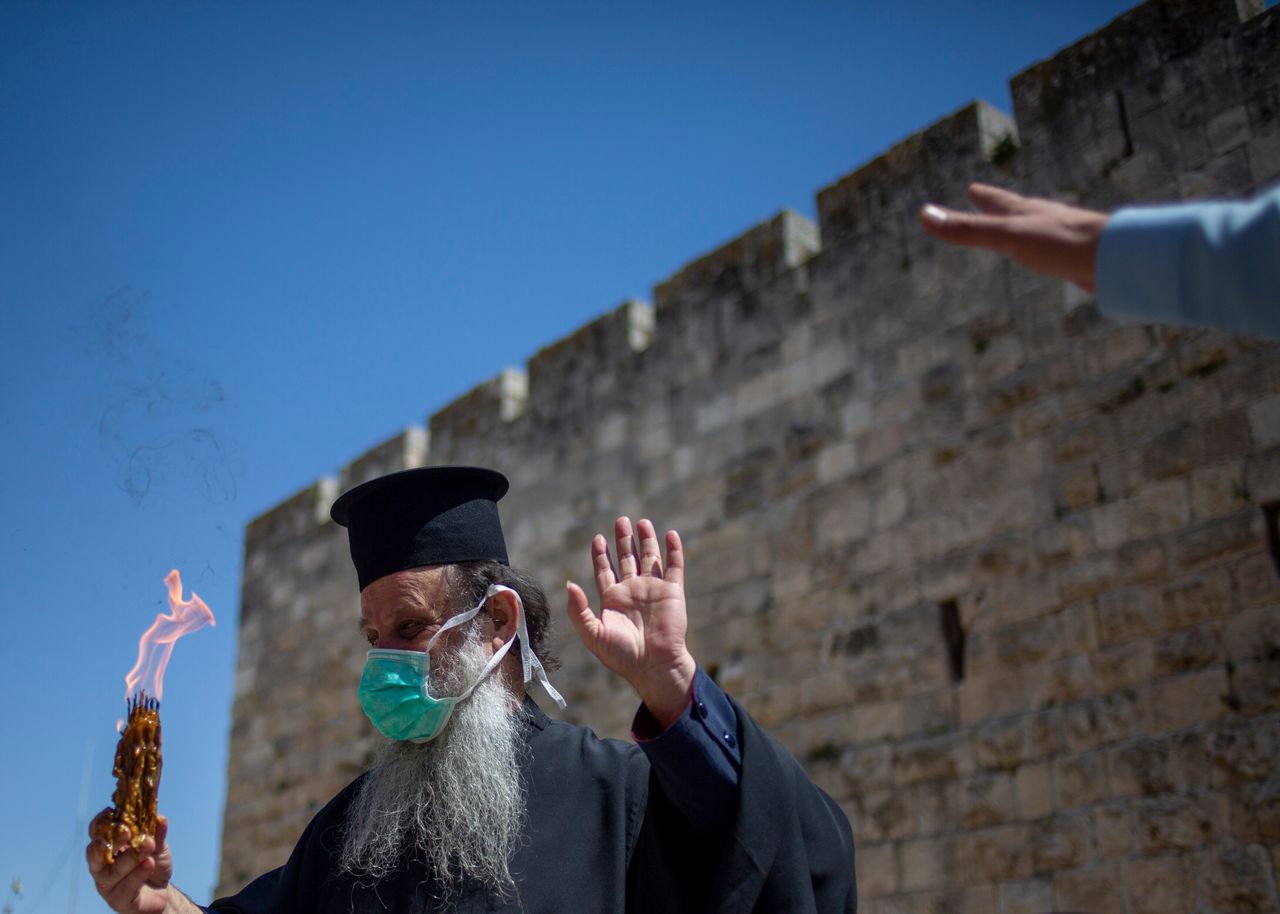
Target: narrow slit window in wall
(953, 637)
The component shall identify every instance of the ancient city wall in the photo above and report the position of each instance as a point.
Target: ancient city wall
(995, 568)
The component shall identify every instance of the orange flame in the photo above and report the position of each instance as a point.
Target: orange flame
(156, 644)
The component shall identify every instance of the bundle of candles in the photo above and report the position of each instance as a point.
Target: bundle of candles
(137, 771)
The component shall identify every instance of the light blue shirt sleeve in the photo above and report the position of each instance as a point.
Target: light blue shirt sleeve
(1212, 263)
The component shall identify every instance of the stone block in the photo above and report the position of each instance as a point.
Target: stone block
(1142, 562)
(885, 815)
(1122, 666)
(1236, 878)
(1107, 719)
(932, 759)
(1026, 896)
(1113, 831)
(1080, 485)
(1188, 649)
(1027, 642)
(1192, 698)
(1126, 614)
(1096, 889)
(1264, 422)
(1063, 681)
(1178, 822)
(927, 863)
(877, 870)
(1001, 744)
(1079, 780)
(876, 722)
(1262, 476)
(1209, 543)
(868, 768)
(1217, 491)
(1264, 158)
(929, 714)
(1226, 437)
(1088, 577)
(1256, 582)
(938, 807)
(1158, 885)
(1002, 852)
(1060, 842)
(1173, 453)
(1160, 507)
(983, 697)
(1244, 749)
(1255, 687)
(988, 799)
(1033, 787)
(1195, 599)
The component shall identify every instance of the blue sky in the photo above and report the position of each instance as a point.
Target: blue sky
(242, 243)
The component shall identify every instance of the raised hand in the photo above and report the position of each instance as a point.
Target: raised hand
(138, 882)
(1046, 236)
(640, 630)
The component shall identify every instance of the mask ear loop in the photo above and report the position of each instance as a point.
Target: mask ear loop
(532, 666)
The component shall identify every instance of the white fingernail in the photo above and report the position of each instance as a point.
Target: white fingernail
(935, 213)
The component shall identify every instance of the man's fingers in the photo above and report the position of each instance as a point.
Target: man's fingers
(995, 233)
(107, 878)
(93, 856)
(581, 615)
(650, 554)
(626, 546)
(997, 201)
(600, 564)
(675, 559)
(126, 890)
(97, 821)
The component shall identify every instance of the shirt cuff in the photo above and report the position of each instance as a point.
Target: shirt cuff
(1140, 255)
(698, 758)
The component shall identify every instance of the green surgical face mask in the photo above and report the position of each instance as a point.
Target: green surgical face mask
(395, 686)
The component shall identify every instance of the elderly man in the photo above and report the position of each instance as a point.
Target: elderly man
(479, 801)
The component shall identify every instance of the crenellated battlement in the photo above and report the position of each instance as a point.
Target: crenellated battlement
(1097, 117)
(937, 163)
(992, 566)
(755, 258)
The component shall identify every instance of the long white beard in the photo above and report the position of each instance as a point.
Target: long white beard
(455, 804)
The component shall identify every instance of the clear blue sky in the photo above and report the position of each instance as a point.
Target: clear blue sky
(242, 243)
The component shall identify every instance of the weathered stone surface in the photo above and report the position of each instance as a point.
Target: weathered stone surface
(1236, 879)
(1003, 852)
(993, 565)
(1061, 842)
(1030, 896)
(1159, 885)
(1095, 889)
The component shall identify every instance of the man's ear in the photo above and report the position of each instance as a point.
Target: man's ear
(503, 608)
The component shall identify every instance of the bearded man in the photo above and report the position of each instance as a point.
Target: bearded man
(479, 801)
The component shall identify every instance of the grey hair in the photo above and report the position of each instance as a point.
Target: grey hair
(469, 581)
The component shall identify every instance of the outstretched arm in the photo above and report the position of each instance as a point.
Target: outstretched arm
(640, 629)
(1211, 263)
(1043, 235)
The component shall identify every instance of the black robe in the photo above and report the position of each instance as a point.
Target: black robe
(602, 837)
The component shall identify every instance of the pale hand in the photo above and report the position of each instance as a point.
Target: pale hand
(640, 630)
(1043, 235)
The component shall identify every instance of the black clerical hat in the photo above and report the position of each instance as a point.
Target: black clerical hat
(428, 516)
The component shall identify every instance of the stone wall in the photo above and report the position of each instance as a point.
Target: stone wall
(995, 568)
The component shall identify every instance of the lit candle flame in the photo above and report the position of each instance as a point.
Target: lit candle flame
(156, 644)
